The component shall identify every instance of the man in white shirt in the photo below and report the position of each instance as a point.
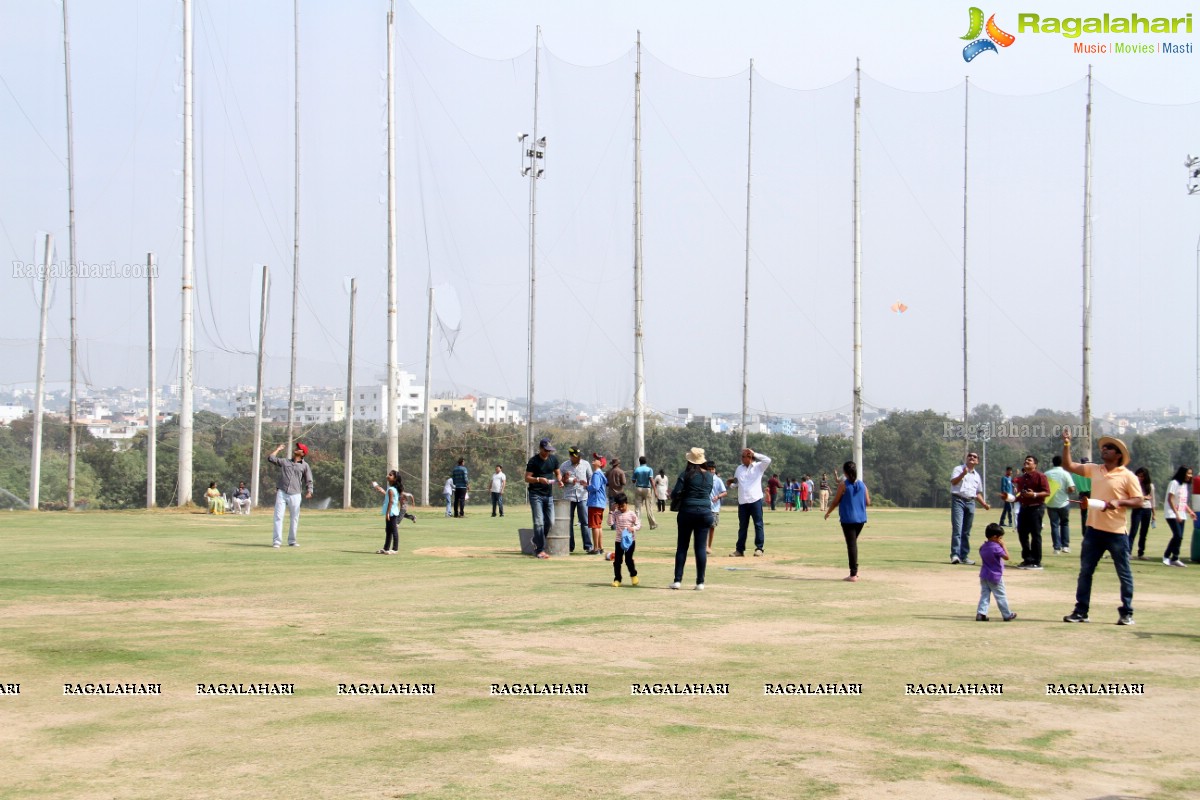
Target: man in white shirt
(748, 477)
(575, 476)
(499, 481)
(966, 489)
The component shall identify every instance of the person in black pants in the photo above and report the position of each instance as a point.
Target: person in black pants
(694, 488)
(461, 484)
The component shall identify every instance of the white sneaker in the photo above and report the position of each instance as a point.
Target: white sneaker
(675, 585)
(276, 545)
(700, 586)
(1066, 550)
(1166, 562)
(1178, 563)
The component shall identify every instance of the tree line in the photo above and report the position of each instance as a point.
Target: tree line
(908, 456)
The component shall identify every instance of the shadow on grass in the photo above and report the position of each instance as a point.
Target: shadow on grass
(798, 578)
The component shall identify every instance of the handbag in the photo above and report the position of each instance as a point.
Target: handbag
(676, 500)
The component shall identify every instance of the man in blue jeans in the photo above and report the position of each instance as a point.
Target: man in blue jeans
(541, 475)
(1114, 489)
(1058, 506)
(966, 489)
(748, 477)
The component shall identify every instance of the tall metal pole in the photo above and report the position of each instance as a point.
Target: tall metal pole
(393, 424)
(256, 459)
(186, 344)
(291, 410)
(425, 424)
(639, 362)
(72, 405)
(533, 179)
(857, 412)
(1086, 409)
(348, 458)
(35, 467)
(151, 392)
(966, 124)
(746, 299)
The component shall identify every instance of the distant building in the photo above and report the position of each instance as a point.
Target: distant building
(370, 402)
(10, 413)
(495, 410)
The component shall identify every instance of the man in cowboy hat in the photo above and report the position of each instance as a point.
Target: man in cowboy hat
(1114, 489)
(295, 475)
(748, 477)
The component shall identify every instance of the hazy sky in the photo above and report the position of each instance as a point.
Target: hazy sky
(465, 73)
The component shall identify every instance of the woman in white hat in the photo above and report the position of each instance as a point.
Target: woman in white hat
(693, 489)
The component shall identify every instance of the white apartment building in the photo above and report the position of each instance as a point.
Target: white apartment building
(370, 402)
(494, 410)
(316, 409)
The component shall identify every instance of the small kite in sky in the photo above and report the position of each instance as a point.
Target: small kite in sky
(899, 307)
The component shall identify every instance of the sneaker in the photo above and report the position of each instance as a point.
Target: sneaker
(1011, 617)
(699, 587)
(634, 580)
(759, 552)
(1067, 550)
(1178, 563)
(1166, 562)
(981, 618)
(968, 562)
(1034, 566)
(276, 546)
(955, 560)
(737, 554)
(1075, 616)
(1024, 566)
(1126, 619)
(616, 584)
(293, 544)
(1057, 551)
(851, 579)
(675, 585)
(543, 555)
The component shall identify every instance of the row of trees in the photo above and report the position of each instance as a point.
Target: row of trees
(908, 456)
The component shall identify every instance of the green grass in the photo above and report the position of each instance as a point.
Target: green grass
(180, 598)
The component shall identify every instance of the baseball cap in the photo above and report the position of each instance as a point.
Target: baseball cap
(544, 444)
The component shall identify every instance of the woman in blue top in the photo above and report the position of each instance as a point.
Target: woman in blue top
(392, 510)
(694, 487)
(851, 501)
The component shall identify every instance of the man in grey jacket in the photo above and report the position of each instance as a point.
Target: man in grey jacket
(295, 476)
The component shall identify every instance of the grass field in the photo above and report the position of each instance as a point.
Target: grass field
(181, 599)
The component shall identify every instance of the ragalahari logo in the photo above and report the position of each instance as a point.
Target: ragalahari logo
(995, 36)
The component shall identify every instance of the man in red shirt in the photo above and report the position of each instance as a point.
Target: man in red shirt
(772, 489)
(1032, 489)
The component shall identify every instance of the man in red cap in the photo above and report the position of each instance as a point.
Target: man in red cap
(295, 476)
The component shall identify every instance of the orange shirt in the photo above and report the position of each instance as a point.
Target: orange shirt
(1111, 485)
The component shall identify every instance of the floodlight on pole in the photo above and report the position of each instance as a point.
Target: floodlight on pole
(1192, 164)
(532, 154)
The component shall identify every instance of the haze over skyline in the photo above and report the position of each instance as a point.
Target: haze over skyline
(465, 88)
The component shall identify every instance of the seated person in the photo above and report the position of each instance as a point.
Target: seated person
(216, 501)
(241, 499)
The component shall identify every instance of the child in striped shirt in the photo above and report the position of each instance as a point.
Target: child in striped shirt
(624, 520)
